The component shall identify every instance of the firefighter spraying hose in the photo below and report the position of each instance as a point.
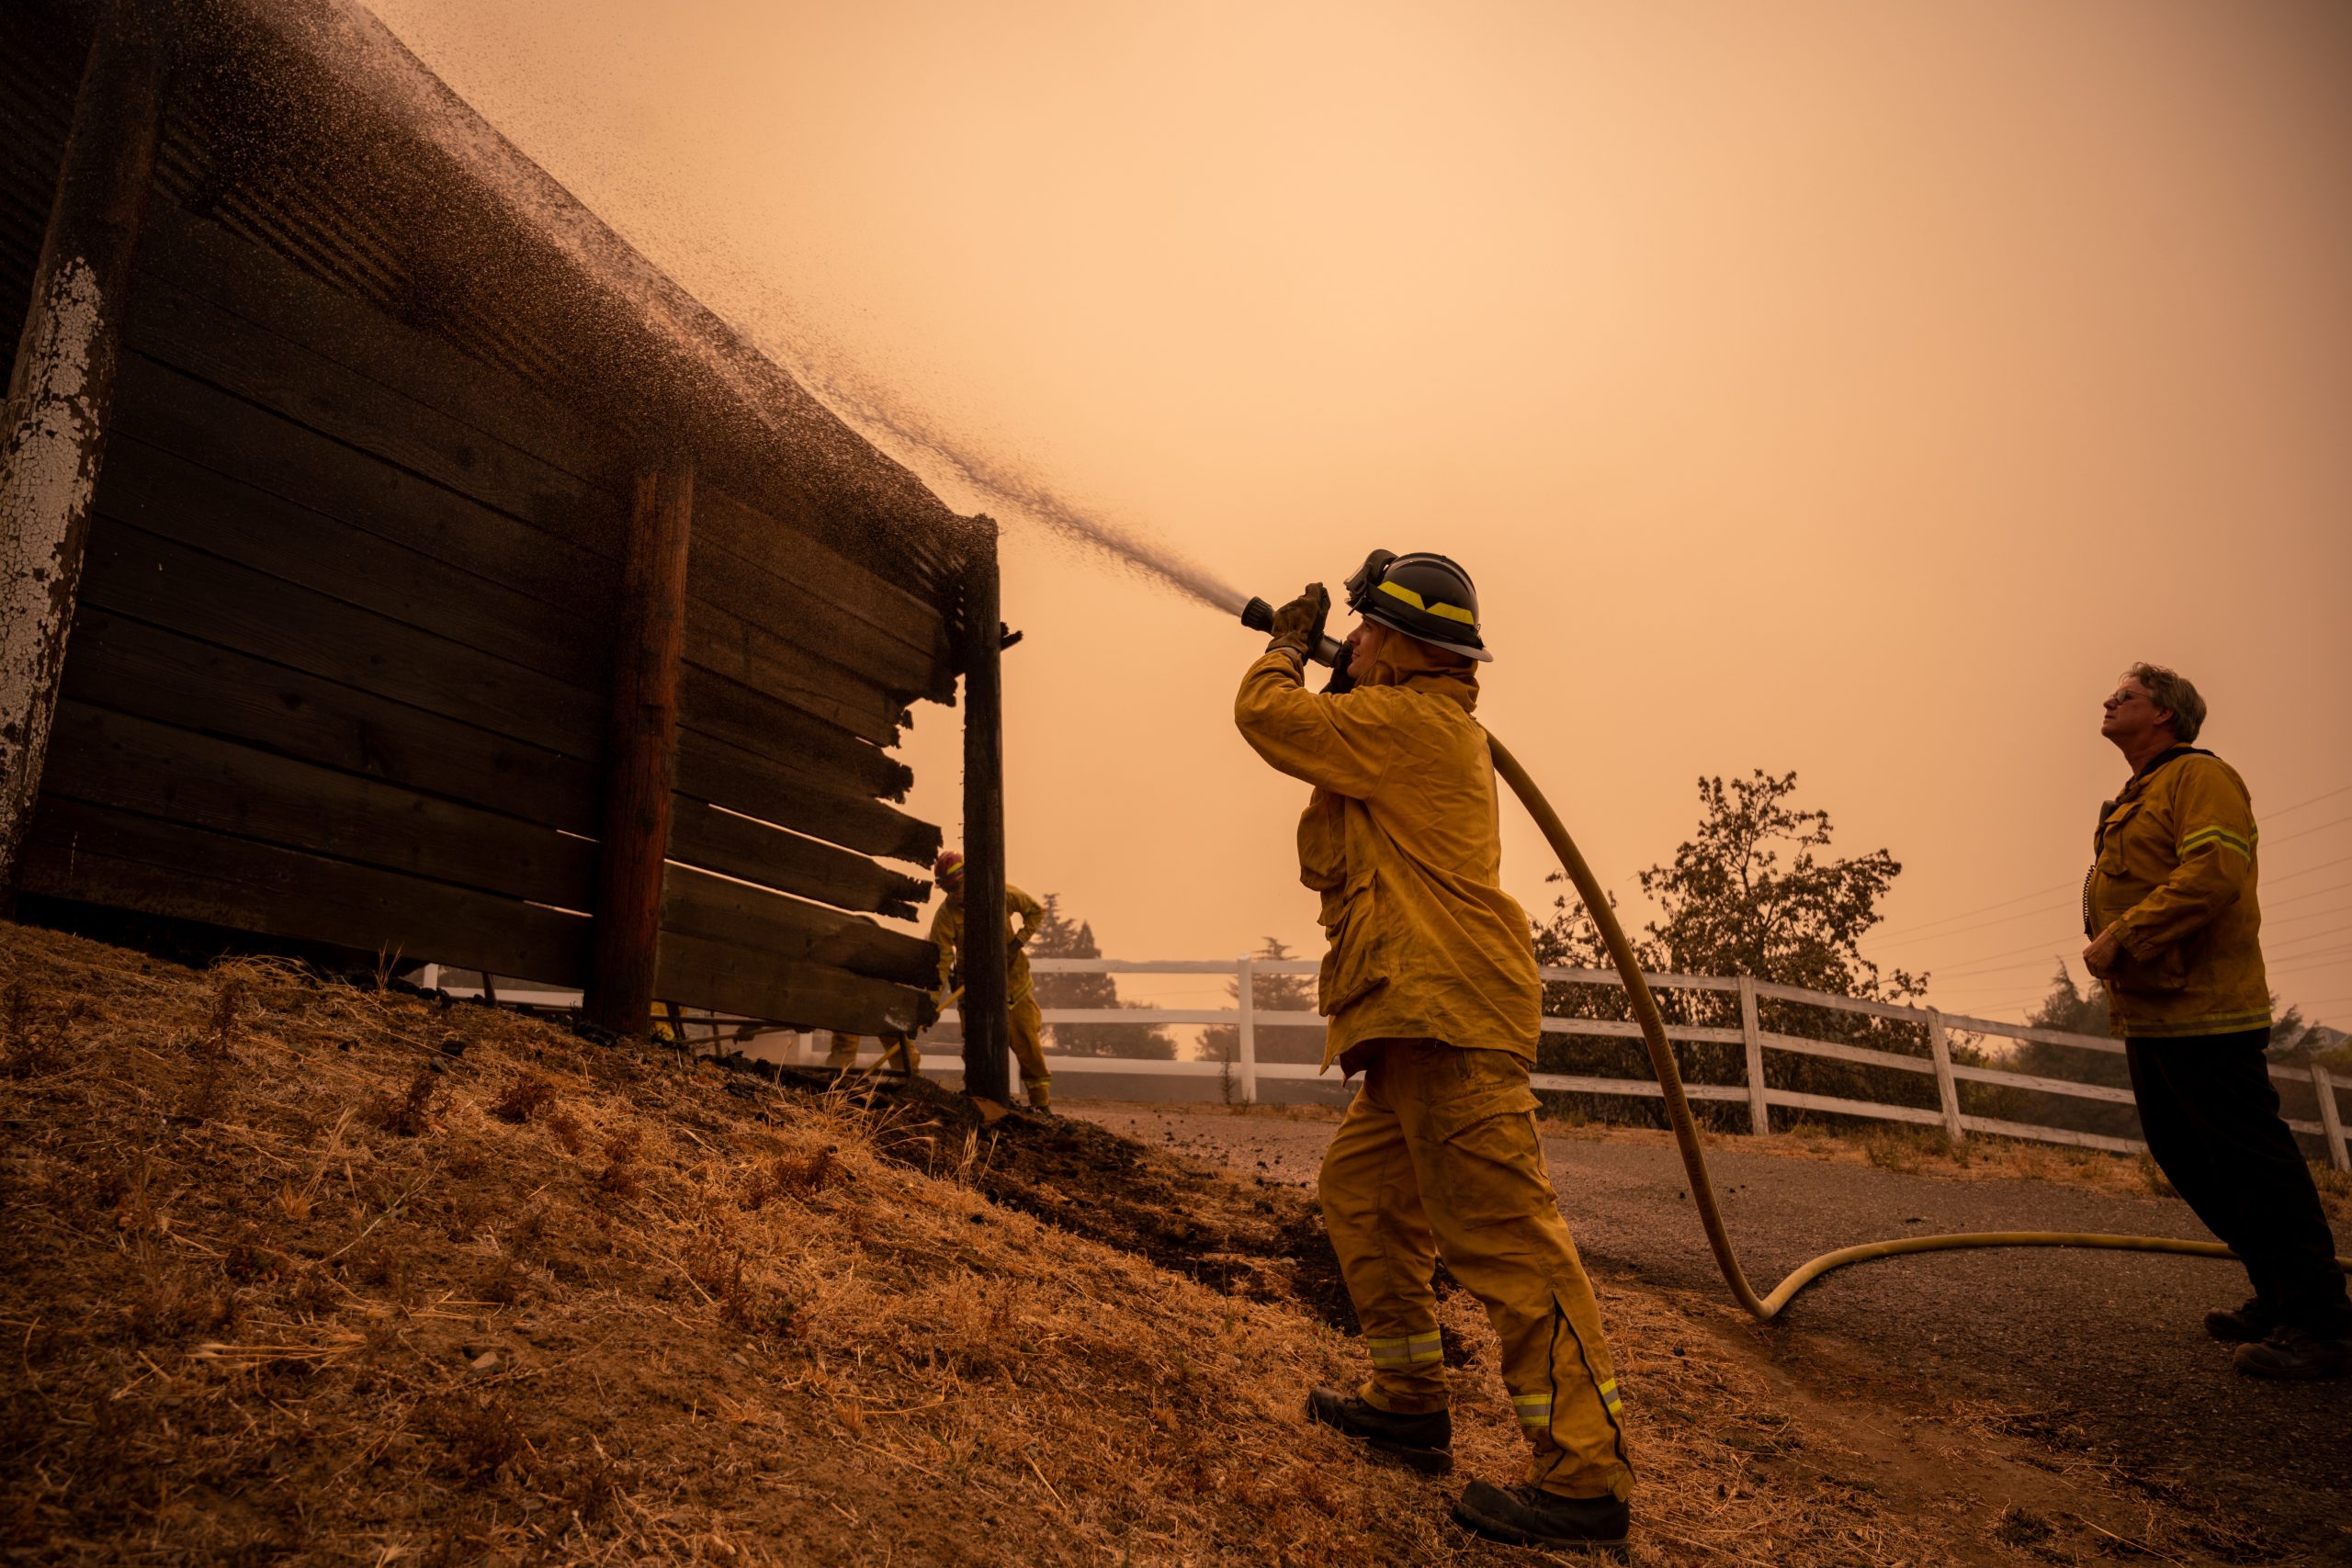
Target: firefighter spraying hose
(1379, 575)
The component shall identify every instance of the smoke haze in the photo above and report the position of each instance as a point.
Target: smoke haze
(1841, 388)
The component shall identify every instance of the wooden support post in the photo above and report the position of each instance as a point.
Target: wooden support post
(1947, 1086)
(1751, 1034)
(986, 1074)
(2330, 1121)
(641, 749)
(61, 391)
(1246, 1035)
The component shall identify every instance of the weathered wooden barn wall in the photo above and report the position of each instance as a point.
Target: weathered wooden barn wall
(341, 664)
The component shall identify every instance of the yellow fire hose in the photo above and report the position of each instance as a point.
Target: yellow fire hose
(1686, 1131)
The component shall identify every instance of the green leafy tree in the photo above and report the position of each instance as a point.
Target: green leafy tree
(1270, 993)
(1061, 937)
(2082, 1010)
(1753, 891)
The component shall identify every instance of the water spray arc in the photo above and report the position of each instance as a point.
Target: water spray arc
(1258, 615)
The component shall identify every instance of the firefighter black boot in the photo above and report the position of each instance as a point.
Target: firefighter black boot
(2298, 1354)
(1522, 1515)
(1423, 1442)
(2243, 1325)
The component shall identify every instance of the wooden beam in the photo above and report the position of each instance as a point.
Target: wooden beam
(987, 1075)
(642, 751)
(53, 430)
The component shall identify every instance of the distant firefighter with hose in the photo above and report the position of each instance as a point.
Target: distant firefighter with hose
(1431, 990)
(1027, 1024)
(2176, 935)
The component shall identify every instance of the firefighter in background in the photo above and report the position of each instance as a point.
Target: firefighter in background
(1432, 993)
(1026, 1027)
(900, 1053)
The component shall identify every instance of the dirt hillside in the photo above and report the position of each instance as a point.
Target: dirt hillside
(312, 1273)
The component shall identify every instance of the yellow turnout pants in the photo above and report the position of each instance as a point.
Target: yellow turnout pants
(1438, 1158)
(1027, 1038)
(898, 1053)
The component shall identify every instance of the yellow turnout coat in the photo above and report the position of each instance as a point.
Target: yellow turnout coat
(1402, 839)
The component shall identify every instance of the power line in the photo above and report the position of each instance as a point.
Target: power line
(2314, 893)
(2315, 800)
(2054, 949)
(2319, 828)
(2003, 904)
(2060, 886)
(2323, 866)
(2303, 961)
(1987, 925)
(2312, 936)
(2269, 924)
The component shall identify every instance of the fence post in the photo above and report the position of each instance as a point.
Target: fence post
(2324, 1082)
(1246, 1073)
(1751, 1034)
(1947, 1086)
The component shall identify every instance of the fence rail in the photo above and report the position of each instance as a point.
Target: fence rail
(1246, 1072)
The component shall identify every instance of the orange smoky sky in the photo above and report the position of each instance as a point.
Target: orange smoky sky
(1846, 387)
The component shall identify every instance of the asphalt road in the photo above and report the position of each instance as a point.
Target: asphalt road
(2105, 1351)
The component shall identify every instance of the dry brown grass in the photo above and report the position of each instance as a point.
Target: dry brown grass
(387, 1302)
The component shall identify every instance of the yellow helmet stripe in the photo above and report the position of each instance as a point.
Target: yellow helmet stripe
(1450, 612)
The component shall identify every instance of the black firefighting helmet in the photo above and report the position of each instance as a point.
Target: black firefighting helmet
(1423, 595)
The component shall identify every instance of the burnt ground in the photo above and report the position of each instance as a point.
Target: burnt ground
(2095, 1359)
(1241, 1233)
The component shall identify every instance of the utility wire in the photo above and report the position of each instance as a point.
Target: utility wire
(2269, 924)
(1987, 925)
(2003, 904)
(2340, 860)
(2331, 888)
(2312, 936)
(2319, 828)
(2315, 800)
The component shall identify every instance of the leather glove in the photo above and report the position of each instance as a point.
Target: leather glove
(1299, 623)
(1341, 682)
(926, 1012)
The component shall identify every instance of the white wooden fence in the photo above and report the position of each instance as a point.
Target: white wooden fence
(1244, 1072)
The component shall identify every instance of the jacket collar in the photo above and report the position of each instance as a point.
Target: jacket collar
(2155, 765)
(1414, 665)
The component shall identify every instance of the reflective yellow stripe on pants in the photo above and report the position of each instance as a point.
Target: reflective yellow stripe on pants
(1438, 1157)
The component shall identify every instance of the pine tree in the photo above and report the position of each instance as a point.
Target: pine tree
(1270, 993)
(1059, 937)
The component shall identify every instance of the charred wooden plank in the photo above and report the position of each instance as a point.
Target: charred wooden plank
(725, 644)
(767, 727)
(244, 279)
(699, 971)
(138, 669)
(787, 584)
(175, 498)
(695, 903)
(711, 769)
(178, 775)
(321, 394)
(738, 847)
(170, 409)
(97, 855)
(166, 584)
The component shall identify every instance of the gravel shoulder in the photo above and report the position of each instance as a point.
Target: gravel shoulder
(2097, 1358)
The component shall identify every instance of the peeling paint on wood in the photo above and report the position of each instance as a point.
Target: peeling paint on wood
(48, 466)
(52, 433)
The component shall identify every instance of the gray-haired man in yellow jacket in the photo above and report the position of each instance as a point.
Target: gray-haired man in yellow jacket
(2170, 906)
